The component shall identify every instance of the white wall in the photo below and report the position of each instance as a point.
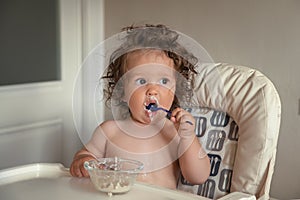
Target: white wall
(260, 34)
(36, 119)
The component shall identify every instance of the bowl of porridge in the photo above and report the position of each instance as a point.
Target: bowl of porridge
(113, 175)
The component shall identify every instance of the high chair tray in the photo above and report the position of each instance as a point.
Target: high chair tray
(53, 181)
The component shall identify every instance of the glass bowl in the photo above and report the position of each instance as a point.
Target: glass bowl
(113, 175)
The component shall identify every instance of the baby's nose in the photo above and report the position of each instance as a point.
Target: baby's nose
(152, 90)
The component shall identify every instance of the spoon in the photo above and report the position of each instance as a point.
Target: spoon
(154, 107)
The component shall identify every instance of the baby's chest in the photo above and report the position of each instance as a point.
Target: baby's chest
(154, 154)
(124, 142)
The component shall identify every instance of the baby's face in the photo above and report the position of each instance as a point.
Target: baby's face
(150, 78)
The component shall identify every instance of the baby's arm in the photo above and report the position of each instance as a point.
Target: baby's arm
(193, 161)
(94, 149)
(80, 157)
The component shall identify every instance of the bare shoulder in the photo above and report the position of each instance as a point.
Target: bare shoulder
(108, 124)
(108, 127)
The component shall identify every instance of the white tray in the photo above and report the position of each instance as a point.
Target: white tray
(52, 181)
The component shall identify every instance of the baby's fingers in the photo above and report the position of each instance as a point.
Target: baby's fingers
(176, 115)
(181, 116)
(84, 172)
(77, 168)
(75, 171)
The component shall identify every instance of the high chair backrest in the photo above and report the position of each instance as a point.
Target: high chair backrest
(237, 111)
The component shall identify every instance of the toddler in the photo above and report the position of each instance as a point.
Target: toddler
(149, 69)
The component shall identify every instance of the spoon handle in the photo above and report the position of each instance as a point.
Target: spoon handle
(169, 114)
(167, 111)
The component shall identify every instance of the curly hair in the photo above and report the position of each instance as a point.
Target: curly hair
(149, 37)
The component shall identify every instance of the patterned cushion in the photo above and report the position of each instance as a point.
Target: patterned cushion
(218, 134)
(252, 101)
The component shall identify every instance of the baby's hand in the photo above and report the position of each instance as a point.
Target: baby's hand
(184, 122)
(77, 169)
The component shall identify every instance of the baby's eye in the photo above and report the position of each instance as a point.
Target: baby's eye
(140, 81)
(164, 81)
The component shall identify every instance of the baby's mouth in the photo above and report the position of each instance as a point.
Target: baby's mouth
(151, 103)
(151, 106)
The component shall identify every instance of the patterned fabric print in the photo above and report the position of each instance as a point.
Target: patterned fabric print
(218, 134)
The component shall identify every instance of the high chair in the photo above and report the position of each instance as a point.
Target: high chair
(237, 111)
